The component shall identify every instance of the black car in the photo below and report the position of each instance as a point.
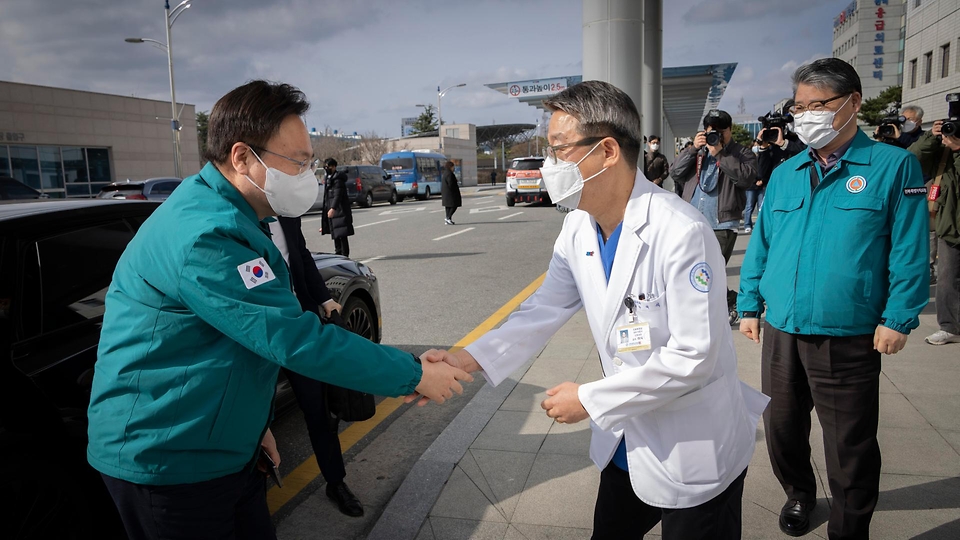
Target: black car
(12, 189)
(151, 189)
(367, 184)
(56, 262)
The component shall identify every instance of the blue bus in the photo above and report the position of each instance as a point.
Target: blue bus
(416, 173)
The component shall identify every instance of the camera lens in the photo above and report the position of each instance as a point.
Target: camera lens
(713, 138)
(949, 128)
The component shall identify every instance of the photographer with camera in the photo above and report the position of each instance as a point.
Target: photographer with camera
(939, 152)
(902, 130)
(715, 173)
(776, 145)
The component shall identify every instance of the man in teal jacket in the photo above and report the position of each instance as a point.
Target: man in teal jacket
(200, 317)
(839, 256)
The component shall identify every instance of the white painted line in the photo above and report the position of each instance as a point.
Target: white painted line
(454, 234)
(374, 223)
(482, 198)
(371, 259)
(403, 210)
(487, 209)
(311, 219)
(510, 216)
(437, 211)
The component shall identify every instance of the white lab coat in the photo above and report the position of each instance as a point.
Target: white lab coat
(688, 421)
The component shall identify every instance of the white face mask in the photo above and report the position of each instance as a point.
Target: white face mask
(564, 181)
(288, 195)
(817, 131)
(909, 126)
(654, 147)
(756, 149)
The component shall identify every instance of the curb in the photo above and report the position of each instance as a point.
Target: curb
(409, 507)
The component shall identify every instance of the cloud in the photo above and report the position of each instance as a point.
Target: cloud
(713, 11)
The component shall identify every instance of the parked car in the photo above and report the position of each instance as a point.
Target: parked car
(57, 258)
(367, 184)
(524, 183)
(12, 189)
(151, 189)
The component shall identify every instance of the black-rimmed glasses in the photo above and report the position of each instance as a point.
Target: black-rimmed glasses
(312, 164)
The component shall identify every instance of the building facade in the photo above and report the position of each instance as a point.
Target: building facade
(69, 143)
(869, 35)
(931, 56)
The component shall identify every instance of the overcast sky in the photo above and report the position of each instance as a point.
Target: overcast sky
(365, 64)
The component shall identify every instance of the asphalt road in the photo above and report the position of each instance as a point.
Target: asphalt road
(437, 283)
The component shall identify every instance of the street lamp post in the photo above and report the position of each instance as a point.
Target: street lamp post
(440, 95)
(170, 17)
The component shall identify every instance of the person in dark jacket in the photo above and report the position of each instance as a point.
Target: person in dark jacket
(337, 218)
(769, 157)
(313, 295)
(450, 192)
(656, 168)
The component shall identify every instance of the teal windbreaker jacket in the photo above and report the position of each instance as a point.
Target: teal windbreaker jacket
(846, 257)
(199, 318)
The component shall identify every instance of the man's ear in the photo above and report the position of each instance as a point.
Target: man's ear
(239, 155)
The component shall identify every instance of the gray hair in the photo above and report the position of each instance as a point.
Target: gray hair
(832, 73)
(915, 109)
(603, 110)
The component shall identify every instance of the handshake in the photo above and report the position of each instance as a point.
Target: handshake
(442, 371)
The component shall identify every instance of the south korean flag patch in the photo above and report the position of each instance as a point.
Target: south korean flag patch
(255, 272)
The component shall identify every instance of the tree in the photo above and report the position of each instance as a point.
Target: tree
(371, 146)
(873, 110)
(202, 122)
(741, 136)
(426, 122)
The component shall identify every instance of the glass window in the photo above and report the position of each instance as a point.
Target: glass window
(398, 164)
(944, 61)
(74, 165)
(78, 190)
(927, 67)
(75, 271)
(913, 73)
(4, 161)
(99, 161)
(51, 170)
(164, 188)
(24, 166)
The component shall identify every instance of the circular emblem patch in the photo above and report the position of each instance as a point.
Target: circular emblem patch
(856, 184)
(701, 276)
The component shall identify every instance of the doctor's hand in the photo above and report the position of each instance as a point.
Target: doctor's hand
(269, 444)
(439, 380)
(751, 329)
(460, 360)
(888, 341)
(564, 405)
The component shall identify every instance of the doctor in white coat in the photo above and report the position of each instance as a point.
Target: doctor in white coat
(673, 426)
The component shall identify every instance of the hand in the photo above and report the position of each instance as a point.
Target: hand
(460, 360)
(714, 150)
(439, 380)
(564, 405)
(751, 329)
(759, 183)
(896, 132)
(779, 142)
(270, 445)
(330, 306)
(936, 129)
(700, 140)
(330, 213)
(888, 341)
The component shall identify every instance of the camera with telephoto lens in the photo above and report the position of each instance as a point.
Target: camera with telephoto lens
(713, 138)
(951, 126)
(887, 129)
(773, 120)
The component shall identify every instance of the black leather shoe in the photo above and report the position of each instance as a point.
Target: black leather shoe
(795, 517)
(348, 503)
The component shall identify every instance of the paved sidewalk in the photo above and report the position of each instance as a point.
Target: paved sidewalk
(504, 470)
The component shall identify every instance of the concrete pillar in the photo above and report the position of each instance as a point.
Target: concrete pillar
(613, 44)
(651, 101)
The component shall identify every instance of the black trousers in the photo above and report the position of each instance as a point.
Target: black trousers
(320, 427)
(948, 287)
(621, 514)
(450, 210)
(840, 376)
(226, 508)
(342, 246)
(727, 239)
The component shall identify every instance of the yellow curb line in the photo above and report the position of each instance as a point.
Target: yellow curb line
(308, 471)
